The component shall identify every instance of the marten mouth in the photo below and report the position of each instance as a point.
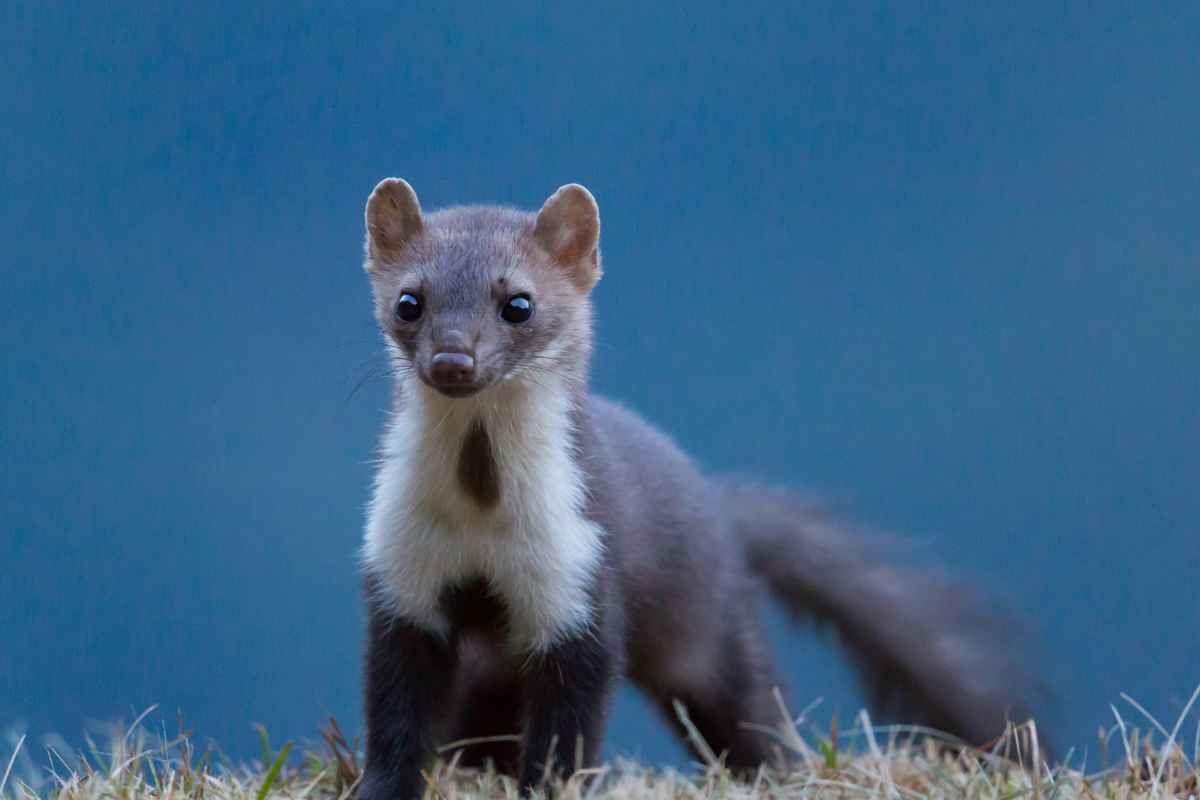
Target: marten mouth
(457, 391)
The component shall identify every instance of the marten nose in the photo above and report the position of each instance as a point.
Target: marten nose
(452, 368)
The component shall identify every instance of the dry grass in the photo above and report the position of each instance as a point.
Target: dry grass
(863, 761)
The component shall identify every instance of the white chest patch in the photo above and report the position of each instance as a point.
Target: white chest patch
(536, 549)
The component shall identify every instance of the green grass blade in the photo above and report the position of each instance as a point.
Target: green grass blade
(273, 772)
(264, 743)
(827, 750)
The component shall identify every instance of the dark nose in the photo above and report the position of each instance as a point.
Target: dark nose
(452, 369)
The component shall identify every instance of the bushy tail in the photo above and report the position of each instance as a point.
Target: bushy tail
(924, 645)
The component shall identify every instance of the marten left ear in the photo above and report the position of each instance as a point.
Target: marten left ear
(568, 229)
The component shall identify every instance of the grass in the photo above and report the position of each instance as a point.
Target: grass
(862, 761)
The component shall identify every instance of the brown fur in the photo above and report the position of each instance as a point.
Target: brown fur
(477, 469)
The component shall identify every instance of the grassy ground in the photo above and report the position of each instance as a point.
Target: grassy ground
(863, 761)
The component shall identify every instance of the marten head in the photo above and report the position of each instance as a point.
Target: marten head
(472, 296)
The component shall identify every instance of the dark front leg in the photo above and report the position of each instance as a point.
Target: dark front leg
(566, 697)
(408, 679)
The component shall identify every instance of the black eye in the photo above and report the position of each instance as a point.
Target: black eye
(408, 307)
(518, 309)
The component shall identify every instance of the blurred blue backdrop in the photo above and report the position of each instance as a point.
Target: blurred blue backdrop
(939, 263)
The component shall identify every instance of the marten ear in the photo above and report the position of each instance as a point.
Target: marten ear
(568, 229)
(393, 219)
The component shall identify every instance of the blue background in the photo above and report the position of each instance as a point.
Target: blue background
(938, 262)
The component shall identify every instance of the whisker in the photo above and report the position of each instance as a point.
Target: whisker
(363, 381)
(445, 417)
(342, 345)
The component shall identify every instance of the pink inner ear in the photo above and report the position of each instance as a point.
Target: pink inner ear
(574, 240)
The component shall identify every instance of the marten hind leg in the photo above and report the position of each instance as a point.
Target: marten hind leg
(728, 699)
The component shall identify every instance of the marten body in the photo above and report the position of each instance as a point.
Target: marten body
(529, 544)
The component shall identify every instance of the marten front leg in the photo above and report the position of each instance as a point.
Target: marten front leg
(408, 680)
(567, 692)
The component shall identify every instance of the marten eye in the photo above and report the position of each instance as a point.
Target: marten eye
(518, 309)
(408, 307)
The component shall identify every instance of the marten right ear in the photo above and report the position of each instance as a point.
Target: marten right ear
(393, 219)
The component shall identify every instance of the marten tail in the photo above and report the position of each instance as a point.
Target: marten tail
(924, 645)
